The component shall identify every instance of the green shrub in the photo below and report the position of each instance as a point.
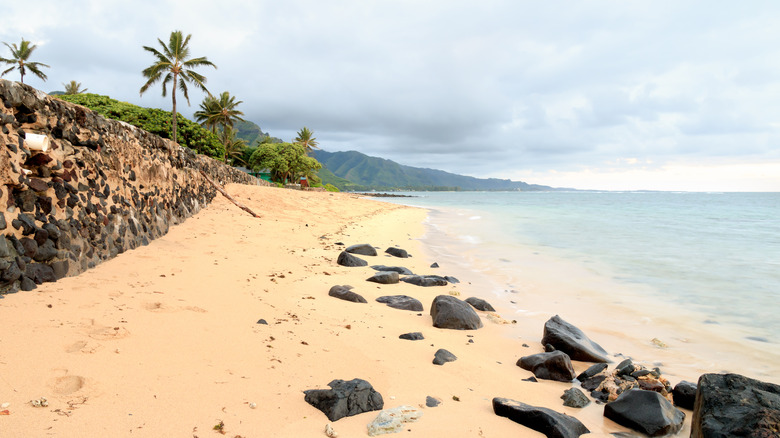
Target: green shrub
(156, 121)
(331, 188)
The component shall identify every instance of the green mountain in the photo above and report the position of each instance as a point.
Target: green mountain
(251, 133)
(371, 173)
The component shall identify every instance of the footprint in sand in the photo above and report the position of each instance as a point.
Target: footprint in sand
(87, 347)
(157, 306)
(67, 385)
(103, 333)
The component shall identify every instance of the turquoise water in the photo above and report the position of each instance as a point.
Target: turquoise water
(717, 254)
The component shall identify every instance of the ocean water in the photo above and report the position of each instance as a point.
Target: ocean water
(707, 263)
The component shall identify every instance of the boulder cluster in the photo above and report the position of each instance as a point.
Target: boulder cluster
(101, 188)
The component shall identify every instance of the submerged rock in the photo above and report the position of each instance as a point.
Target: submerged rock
(551, 423)
(572, 341)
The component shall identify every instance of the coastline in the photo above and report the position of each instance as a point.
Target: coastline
(626, 318)
(164, 340)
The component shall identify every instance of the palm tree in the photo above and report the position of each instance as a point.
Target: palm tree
(175, 64)
(74, 87)
(219, 112)
(20, 60)
(306, 140)
(234, 146)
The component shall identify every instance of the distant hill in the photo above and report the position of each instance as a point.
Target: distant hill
(251, 133)
(363, 172)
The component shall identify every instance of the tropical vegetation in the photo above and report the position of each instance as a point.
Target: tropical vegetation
(287, 162)
(174, 66)
(153, 120)
(306, 139)
(234, 146)
(20, 60)
(74, 87)
(219, 112)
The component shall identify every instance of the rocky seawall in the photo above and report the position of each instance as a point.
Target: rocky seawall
(101, 188)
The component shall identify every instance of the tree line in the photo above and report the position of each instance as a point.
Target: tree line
(175, 68)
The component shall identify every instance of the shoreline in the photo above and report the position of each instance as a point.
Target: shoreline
(686, 347)
(164, 340)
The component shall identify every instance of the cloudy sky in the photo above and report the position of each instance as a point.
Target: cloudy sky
(592, 94)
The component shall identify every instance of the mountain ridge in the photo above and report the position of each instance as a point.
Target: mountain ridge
(373, 173)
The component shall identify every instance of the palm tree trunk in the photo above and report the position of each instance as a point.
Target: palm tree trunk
(173, 97)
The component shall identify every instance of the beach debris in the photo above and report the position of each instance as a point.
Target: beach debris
(345, 293)
(5, 405)
(414, 336)
(454, 293)
(495, 318)
(329, 432)
(397, 252)
(384, 277)
(546, 421)
(607, 387)
(362, 249)
(451, 313)
(399, 269)
(659, 343)
(220, 427)
(572, 341)
(39, 402)
(575, 398)
(348, 260)
(456, 398)
(392, 420)
(734, 405)
(443, 356)
(684, 394)
(555, 365)
(425, 280)
(345, 398)
(432, 402)
(252, 405)
(645, 411)
(403, 302)
(480, 304)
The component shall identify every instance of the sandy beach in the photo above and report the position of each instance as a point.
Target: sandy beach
(164, 340)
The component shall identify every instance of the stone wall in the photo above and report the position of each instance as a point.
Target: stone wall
(103, 187)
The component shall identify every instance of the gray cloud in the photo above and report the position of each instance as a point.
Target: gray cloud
(475, 88)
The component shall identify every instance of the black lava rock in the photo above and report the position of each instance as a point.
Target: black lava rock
(432, 402)
(399, 269)
(347, 259)
(443, 356)
(384, 277)
(592, 371)
(480, 304)
(414, 336)
(344, 293)
(362, 249)
(730, 405)
(403, 302)
(572, 341)
(397, 252)
(645, 411)
(345, 398)
(425, 280)
(552, 424)
(451, 313)
(555, 365)
(684, 395)
(574, 398)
